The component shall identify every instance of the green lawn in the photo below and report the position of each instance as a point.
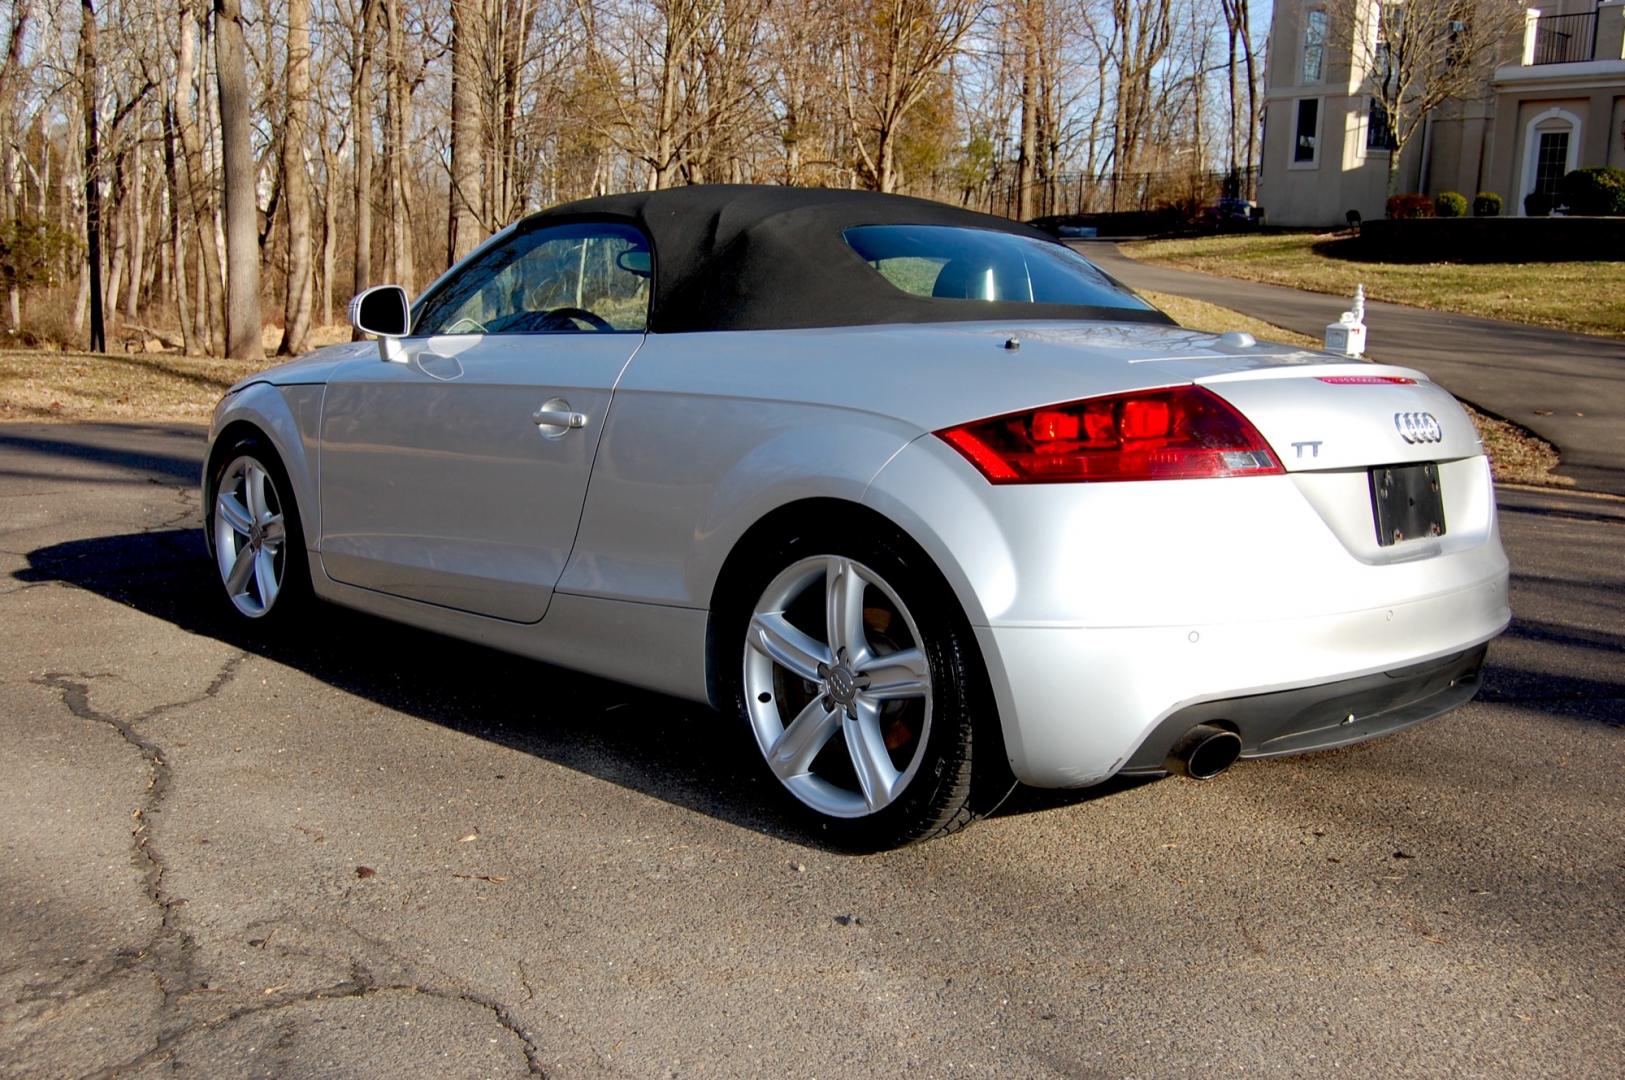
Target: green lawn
(1584, 297)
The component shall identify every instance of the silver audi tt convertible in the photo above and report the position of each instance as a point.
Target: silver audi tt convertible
(923, 498)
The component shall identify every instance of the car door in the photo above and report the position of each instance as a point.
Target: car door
(454, 473)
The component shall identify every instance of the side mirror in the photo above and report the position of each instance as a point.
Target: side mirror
(382, 310)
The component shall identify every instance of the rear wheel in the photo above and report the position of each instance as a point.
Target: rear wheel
(856, 683)
(259, 546)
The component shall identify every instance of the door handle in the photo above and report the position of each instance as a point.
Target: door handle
(556, 418)
(559, 418)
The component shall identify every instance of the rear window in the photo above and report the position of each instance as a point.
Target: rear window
(949, 263)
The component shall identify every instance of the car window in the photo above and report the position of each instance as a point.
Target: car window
(583, 277)
(948, 263)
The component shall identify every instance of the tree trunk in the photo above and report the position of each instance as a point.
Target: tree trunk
(209, 286)
(241, 205)
(361, 108)
(296, 184)
(89, 75)
(177, 233)
(1026, 168)
(465, 229)
(137, 235)
(1249, 59)
(329, 233)
(400, 228)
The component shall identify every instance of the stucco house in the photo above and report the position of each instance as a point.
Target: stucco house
(1556, 104)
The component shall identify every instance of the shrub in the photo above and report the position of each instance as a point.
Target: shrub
(1413, 205)
(1487, 204)
(1450, 204)
(1597, 192)
(1537, 204)
(33, 252)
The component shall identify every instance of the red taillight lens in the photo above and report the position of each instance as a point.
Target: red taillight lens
(1180, 433)
(1366, 380)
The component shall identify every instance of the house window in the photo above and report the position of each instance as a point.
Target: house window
(1306, 133)
(1379, 128)
(1314, 46)
(1551, 161)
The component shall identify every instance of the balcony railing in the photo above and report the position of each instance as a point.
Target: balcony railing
(1565, 39)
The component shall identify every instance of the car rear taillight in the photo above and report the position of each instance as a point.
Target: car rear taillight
(1366, 380)
(1178, 433)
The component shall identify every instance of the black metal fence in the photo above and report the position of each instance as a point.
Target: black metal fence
(1566, 39)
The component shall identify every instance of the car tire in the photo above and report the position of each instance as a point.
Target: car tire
(853, 636)
(255, 534)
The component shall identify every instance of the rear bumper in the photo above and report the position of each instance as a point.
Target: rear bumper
(1325, 716)
(1078, 705)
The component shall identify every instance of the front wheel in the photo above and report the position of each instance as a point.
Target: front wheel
(254, 525)
(857, 684)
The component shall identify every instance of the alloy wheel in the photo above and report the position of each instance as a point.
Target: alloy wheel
(838, 686)
(250, 536)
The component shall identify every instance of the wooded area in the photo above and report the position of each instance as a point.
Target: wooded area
(207, 168)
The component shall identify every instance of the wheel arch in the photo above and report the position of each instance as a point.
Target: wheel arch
(780, 524)
(262, 411)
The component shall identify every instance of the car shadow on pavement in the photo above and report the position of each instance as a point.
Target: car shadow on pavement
(673, 750)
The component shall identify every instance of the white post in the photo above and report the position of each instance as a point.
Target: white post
(1531, 19)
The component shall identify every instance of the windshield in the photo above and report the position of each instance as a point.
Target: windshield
(950, 263)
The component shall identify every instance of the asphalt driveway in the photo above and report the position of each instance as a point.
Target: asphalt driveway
(364, 850)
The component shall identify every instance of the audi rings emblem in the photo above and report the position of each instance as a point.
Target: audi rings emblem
(1418, 427)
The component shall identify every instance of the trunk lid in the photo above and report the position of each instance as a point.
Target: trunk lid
(1326, 417)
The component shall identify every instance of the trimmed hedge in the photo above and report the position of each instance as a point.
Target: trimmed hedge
(1409, 206)
(1487, 204)
(1450, 204)
(1598, 191)
(1492, 240)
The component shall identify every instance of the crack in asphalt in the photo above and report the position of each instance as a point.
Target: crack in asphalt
(187, 514)
(359, 985)
(171, 950)
(171, 957)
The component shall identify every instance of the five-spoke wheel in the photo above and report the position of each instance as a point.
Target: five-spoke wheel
(255, 530)
(853, 683)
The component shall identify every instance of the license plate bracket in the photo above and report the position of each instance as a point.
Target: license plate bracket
(1406, 502)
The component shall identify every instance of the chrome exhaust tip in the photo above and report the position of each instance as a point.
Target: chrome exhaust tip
(1204, 752)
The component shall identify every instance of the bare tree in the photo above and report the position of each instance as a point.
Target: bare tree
(894, 53)
(241, 182)
(1143, 30)
(1422, 56)
(90, 82)
(363, 26)
(11, 74)
(210, 285)
(467, 195)
(296, 183)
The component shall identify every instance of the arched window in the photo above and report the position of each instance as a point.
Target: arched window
(1551, 149)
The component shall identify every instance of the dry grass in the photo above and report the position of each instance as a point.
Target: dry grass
(137, 381)
(1583, 297)
(1516, 456)
(38, 385)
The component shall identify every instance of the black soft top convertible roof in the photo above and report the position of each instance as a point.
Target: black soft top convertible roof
(759, 257)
